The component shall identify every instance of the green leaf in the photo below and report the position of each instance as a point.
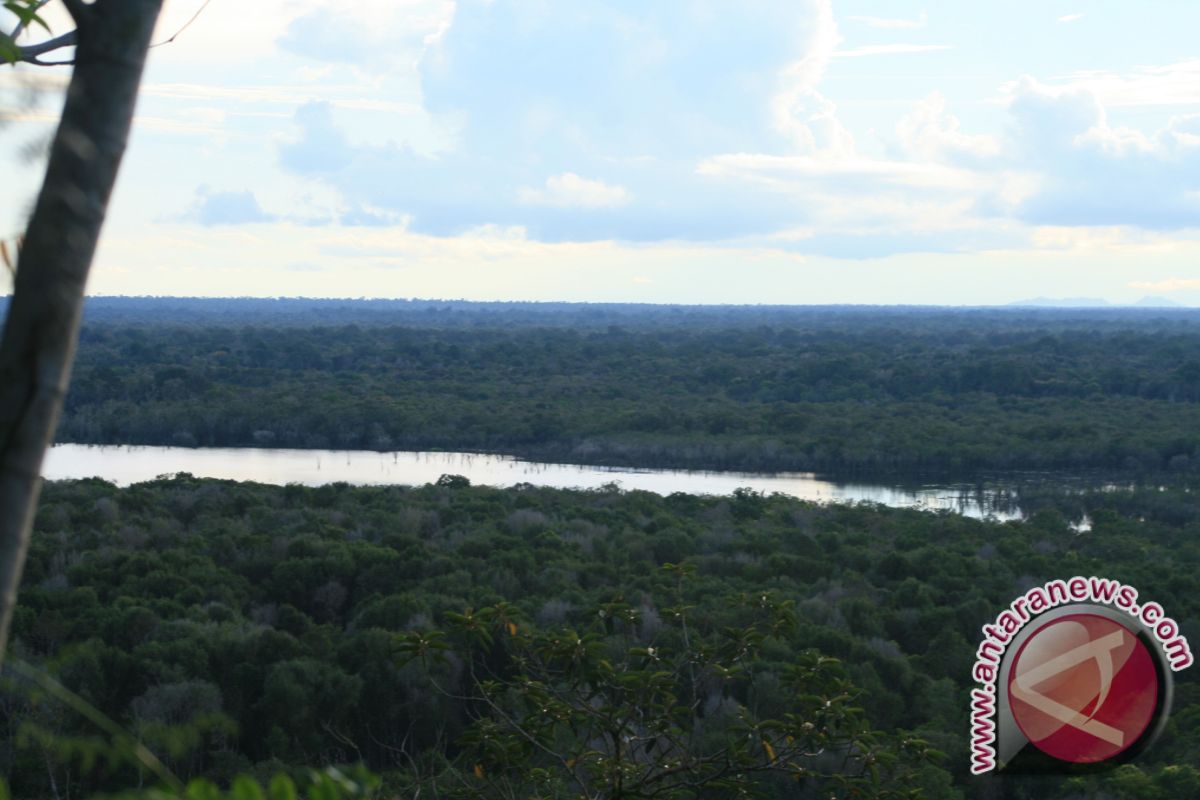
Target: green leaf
(323, 788)
(8, 49)
(245, 788)
(26, 12)
(281, 788)
(200, 789)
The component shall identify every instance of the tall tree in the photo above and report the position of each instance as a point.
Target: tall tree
(111, 38)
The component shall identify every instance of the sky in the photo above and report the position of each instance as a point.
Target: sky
(783, 151)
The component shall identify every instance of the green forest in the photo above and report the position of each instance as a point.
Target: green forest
(885, 485)
(459, 641)
(846, 391)
(246, 629)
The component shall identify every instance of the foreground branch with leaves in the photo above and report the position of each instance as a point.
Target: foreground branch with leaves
(623, 709)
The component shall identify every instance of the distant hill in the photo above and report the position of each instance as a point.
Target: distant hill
(1157, 302)
(1094, 302)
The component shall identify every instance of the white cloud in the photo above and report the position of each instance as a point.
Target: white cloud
(1168, 285)
(1074, 117)
(858, 207)
(849, 204)
(288, 96)
(569, 190)
(1070, 17)
(1092, 238)
(186, 123)
(892, 23)
(890, 50)
(496, 233)
(377, 36)
(789, 172)
(677, 123)
(226, 208)
(1176, 84)
(930, 133)
(798, 110)
(626, 99)
(1095, 174)
(216, 34)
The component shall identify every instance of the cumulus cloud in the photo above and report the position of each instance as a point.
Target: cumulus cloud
(931, 133)
(798, 109)
(378, 33)
(1093, 173)
(1167, 85)
(226, 208)
(664, 79)
(457, 192)
(321, 147)
(852, 205)
(615, 103)
(597, 121)
(569, 190)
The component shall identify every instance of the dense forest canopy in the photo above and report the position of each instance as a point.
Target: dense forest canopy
(837, 389)
(242, 627)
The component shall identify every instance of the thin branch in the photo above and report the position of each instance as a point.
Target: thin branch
(512, 723)
(32, 51)
(186, 25)
(17, 31)
(341, 737)
(97, 718)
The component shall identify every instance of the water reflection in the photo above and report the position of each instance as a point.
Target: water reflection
(124, 465)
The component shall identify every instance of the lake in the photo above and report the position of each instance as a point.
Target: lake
(124, 465)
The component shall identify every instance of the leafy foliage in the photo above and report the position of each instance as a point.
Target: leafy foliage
(594, 711)
(26, 13)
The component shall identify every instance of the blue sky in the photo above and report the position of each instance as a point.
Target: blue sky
(805, 151)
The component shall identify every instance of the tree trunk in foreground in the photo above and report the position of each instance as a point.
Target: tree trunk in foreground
(43, 317)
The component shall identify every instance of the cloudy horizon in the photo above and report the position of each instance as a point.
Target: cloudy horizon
(803, 152)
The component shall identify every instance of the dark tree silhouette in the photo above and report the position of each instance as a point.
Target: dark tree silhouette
(40, 332)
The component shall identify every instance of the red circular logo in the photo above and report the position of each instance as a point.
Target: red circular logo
(1083, 688)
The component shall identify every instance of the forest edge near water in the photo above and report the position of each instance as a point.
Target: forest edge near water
(852, 391)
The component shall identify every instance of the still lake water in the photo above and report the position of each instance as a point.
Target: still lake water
(124, 465)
